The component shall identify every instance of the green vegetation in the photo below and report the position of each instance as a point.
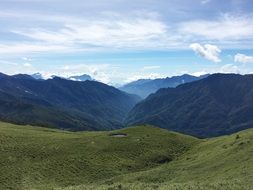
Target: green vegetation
(146, 158)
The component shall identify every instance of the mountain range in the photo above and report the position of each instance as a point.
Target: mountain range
(145, 87)
(217, 105)
(83, 77)
(61, 103)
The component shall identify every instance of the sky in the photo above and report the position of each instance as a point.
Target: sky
(119, 41)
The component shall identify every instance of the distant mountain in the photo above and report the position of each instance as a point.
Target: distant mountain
(83, 77)
(61, 103)
(80, 78)
(217, 105)
(145, 87)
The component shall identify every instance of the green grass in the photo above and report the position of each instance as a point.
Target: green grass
(223, 163)
(147, 158)
(219, 185)
(42, 158)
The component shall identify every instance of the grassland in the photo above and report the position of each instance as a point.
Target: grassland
(146, 158)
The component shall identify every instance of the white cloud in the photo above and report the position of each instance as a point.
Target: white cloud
(26, 59)
(27, 64)
(205, 1)
(210, 52)
(151, 67)
(8, 63)
(226, 28)
(101, 72)
(20, 48)
(241, 58)
(199, 73)
(140, 30)
(229, 68)
(11, 68)
(135, 77)
(115, 33)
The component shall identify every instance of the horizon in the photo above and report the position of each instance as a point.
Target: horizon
(117, 41)
(116, 85)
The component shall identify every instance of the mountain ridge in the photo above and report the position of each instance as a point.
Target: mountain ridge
(217, 105)
(83, 77)
(145, 87)
(75, 105)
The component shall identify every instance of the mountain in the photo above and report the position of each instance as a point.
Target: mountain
(145, 158)
(145, 87)
(83, 77)
(22, 76)
(61, 103)
(217, 105)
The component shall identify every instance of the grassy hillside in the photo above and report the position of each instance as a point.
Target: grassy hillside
(218, 163)
(40, 158)
(136, 158)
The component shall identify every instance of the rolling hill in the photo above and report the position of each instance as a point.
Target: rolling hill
(218, 105)
(65, 104)
(141, 157)
(145, 87)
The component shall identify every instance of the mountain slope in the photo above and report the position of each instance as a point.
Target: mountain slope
(218, 163)
(61, 103)
(145, 87)
(217, 105)
(146, 158)
(39, 158)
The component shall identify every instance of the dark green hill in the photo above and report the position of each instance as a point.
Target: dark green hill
(61, 103)
(217, 105)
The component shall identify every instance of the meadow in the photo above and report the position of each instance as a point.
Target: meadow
(144, 157)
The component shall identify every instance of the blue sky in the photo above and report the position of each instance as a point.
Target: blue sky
(118, 41)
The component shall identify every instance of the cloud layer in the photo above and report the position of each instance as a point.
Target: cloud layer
(225, 28)
(138, 30)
